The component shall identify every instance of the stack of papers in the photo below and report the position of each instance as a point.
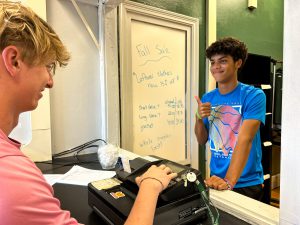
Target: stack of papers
(78, 175)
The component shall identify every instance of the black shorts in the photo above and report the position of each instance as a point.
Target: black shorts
(256, 192)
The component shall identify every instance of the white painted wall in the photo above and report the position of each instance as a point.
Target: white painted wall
(290, 145)
(112, 75)
(75, 99)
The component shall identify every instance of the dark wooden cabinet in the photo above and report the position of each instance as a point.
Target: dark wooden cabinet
(258, 71)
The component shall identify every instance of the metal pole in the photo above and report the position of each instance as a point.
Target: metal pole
(273, 91)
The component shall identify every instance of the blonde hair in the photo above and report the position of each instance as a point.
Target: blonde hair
(37, 41)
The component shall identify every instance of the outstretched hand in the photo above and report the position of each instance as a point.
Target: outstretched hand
(204, 109)
(217, 183)
(161, 174)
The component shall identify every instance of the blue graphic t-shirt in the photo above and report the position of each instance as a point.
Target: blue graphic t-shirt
(227, 115)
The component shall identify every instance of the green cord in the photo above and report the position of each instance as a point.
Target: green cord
(209, 204)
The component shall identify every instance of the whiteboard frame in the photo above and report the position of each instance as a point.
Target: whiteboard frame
(140, 12)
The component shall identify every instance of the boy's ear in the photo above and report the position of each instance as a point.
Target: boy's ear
(238, 63)
(11, 58)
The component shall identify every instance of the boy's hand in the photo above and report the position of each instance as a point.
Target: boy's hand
(217, 183)
(203, 108)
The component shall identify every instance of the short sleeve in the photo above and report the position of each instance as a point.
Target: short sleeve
(255, 105)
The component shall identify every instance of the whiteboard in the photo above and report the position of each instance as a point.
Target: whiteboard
(158, 89)
(157, 65)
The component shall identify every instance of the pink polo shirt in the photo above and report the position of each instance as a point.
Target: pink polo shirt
(25, 196)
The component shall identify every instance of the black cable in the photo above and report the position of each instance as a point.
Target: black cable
(74, 149)
(78, 148)
(90, 146)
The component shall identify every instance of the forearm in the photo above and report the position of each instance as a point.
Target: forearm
(242, 150)
(143, 210)
(200, 131)
(238, 160)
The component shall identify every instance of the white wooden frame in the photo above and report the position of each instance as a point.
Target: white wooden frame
(141, 12)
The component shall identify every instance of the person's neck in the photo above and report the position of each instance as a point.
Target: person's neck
(225, 88)
(9, 112)
(8, 121)
(7, 127)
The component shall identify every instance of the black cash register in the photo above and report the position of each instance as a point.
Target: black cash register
(180, 203)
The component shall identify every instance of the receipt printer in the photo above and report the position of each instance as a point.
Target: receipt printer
(180, 203)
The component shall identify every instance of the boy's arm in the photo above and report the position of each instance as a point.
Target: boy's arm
(239, 157)
(200, 131)
(203, 111)
(242, 150)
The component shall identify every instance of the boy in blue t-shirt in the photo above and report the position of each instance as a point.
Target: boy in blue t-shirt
(228, 118)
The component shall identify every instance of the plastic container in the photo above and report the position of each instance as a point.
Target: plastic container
(108, 156)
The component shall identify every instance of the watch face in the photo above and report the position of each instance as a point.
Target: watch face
(191, 177)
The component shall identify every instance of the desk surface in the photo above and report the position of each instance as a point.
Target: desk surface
(74, 198)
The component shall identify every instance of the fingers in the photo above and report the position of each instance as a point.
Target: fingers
(156, 178)
(198, 100)
(138, 180)
(169, 171)
(165, 168)
(162, 166)
(204, 109)
(216, 182)
(162, 172)
(173, 175)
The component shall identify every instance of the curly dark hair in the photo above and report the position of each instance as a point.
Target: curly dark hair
(228, 46)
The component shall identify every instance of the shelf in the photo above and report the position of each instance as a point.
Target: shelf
(267, 143)
(267, 176)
